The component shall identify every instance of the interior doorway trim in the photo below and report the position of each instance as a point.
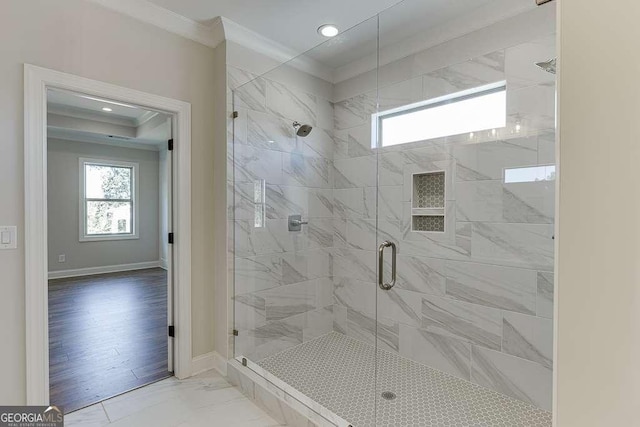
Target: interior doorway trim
(36, 82)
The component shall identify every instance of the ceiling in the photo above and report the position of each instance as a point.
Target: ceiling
(93, 105)
(293, 23)
(84, 120)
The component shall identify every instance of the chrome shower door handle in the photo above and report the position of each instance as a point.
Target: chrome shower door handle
(381, 283)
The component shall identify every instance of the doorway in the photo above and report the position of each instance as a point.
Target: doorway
(106, 214)
(110, 284)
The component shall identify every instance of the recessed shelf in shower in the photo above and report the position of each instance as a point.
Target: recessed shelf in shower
(428, 202)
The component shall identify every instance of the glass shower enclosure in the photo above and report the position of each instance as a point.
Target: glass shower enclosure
(392, 200)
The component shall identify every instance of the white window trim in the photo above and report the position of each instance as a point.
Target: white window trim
(83, 236)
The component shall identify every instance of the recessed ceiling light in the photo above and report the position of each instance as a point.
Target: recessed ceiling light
(328, 30)
(107, 109)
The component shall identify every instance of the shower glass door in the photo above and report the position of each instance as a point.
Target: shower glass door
(303, 199)
(465, 143)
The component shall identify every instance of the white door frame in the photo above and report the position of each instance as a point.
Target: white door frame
(36, 82)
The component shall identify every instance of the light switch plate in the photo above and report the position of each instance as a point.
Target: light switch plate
(8, 237)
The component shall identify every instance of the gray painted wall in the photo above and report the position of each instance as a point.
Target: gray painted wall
(64, 217)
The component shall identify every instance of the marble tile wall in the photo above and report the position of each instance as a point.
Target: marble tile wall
(475, 301)
(283, 287)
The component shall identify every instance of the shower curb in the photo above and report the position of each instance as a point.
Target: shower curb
(278, 403)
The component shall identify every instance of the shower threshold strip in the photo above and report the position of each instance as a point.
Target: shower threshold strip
(335, 376)
(327, 414)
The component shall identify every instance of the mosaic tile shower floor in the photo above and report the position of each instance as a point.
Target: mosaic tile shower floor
(338, 372)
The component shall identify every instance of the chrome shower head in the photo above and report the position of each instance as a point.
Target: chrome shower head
(548, 66)
(302, 130)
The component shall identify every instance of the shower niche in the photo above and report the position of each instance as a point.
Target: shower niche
(428, 206)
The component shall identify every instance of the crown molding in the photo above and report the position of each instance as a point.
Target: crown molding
(94, 138)
(81, 113)
(250, 39)
(209, 35)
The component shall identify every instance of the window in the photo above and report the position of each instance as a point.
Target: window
(530, 174)
(472, 110)
(108, 208)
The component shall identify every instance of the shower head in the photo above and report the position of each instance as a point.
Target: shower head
(548, 66)
(302, 130)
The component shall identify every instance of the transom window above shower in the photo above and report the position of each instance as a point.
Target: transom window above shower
(473, 110)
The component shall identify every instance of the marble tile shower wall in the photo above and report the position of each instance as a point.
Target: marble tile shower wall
(477, 300)
(283, 280)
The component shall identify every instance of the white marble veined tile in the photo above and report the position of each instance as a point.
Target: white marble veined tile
(528, 337)
(240, 200)
(237, 128)
(324, 291)
(282, 201)
(320, 233)
(321, 203)
(258, 273)
(437, 351)
(349, 202)
(526, 245)
(340, 144)
(547, 148)
(357, 264)
(251, 164)
(399, 305)
(391, 168)
(355, 294)
(317, 323)
(494, 201)
(532, 202)
(361, 234)
(535, 106)
(290, 104)
(319, 143)
(326, 119)
(389, 202)
(494, 286)
(545, 294)
(289, 300)
(470, 322)
(271, 132)
(359, 141)
(466, 75)
(398, 94)
(340, 319)
(306, 171)
(421, 274)
(384, 333)
(480, 201)
(271, 338)
(249, 90)
(488, 160)
(273, 238)
(513, 376)
(305, 265)
(355, 172)
(354, 111)
(249, 311)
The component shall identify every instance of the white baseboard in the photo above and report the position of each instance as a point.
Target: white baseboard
(163, 264)
(61, 274)
(208, 361)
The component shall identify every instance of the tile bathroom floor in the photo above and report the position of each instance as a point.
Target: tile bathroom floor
(204, 400)
(340, 373)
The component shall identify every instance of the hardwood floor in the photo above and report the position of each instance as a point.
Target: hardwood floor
(107, 335)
